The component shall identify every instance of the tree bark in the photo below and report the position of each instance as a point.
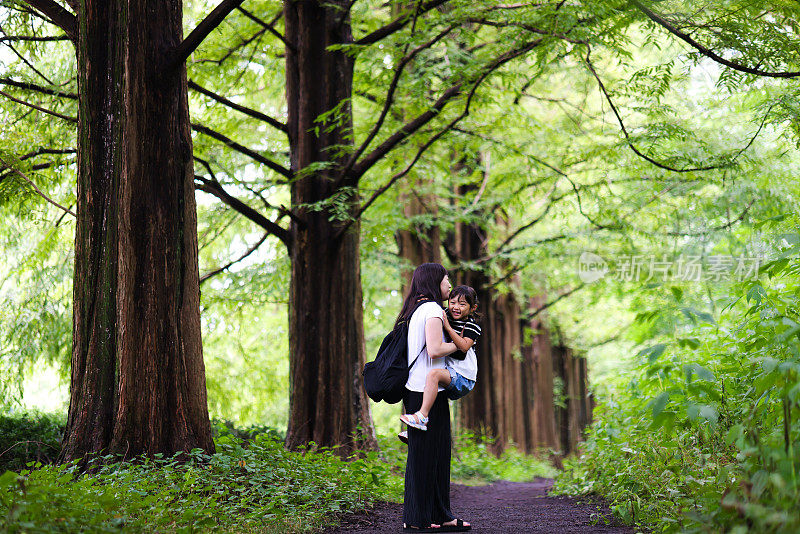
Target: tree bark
(418, 245)
(477, 410)
(576, 415)
(138, 378)
(328, 404)
(539, 355)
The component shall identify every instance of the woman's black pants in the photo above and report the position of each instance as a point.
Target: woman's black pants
(427, 484)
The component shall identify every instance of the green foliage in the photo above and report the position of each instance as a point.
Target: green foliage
(251, 484)
(29, 436)
(704, 437)
(474, 462)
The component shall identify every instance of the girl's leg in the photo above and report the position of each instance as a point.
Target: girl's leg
(435, 377)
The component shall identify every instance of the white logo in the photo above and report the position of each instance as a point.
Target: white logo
(591, 267)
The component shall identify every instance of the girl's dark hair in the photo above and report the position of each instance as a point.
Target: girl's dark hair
(469, 294)
(425, 284)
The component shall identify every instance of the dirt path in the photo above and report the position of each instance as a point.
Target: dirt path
(500, 507)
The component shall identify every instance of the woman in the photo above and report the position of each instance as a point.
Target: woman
(426, 505)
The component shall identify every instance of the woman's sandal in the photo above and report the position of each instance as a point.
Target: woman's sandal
(416, 420)
(458, 527)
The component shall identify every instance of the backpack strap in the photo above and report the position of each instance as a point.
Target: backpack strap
(417, 358)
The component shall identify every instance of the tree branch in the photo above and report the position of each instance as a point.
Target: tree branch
(533, 313)
(242, 149)
(405, 131)
(381, 190)
(268, 26)
(24, 59)
(234, 49)
(34, 38)
(390, 95)
(534, 221)
(37, 88)
(42, 151)
(398, 23)
(38, 108)
(38, 191)
(664, 23)
(628, 140)
(238, 107)
(58, 16)
(496, 64)
(182, 52)
(213, 187)
(227, 266)
(418, 122)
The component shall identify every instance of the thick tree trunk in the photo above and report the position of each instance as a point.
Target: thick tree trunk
(327, 404)
(138, 379)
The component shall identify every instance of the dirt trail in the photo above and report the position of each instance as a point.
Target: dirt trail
(500, 507)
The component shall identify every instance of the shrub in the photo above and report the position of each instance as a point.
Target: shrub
(29, 436)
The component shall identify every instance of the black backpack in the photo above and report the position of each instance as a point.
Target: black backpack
(385, 378)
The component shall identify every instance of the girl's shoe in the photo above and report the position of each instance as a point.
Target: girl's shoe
(416, 420)
(403, 436)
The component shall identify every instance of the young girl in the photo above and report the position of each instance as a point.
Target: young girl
(461, 368)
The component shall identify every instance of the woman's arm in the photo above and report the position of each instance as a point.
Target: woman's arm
(462, 343)
(433, 339)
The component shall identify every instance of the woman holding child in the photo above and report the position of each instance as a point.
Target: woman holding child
(426, 505)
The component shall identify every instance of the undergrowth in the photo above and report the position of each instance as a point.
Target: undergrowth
(251, 484)
(29, 436)
(704, 437)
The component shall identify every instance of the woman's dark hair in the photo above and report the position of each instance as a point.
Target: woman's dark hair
(426, 283)
(469, 294)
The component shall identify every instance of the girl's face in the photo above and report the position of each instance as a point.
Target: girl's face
(445, 287)
(459, 307)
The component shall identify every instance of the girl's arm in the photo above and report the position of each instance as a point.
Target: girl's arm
(433, 339)
(463, 343)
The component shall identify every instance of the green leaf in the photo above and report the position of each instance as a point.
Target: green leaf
(708, 413)
(659, 403)
(701, 372)
(677, 293)
(654, 352)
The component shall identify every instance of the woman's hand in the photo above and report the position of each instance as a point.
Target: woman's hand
(445, 321)
(433, 339)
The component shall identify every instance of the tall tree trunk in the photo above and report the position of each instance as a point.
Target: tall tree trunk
(327, 404)
(576, 415)
(477, 410)
(539, 353)
(138, 378)
(417, 244)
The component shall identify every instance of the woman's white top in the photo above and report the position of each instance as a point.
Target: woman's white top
(416, 345)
